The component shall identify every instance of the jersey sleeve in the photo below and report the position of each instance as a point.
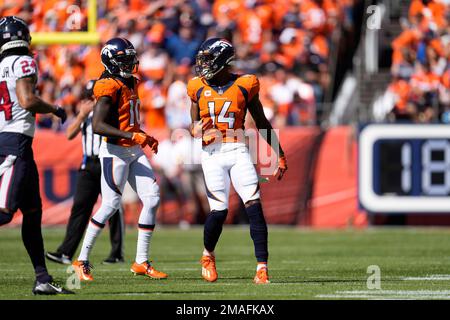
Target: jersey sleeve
(106, 87)
(192, 89)
(250, 83)
(24, 66)
(253, 87)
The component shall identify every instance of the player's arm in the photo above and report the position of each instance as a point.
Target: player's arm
(75, 127)
(265, 129)
(25, 88)
(102, 111)
(195, 113)
(100, 125)
(197, 125)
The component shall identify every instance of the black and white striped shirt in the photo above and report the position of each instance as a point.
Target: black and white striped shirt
(91, 141)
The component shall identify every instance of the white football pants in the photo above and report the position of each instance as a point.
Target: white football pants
(227, 162)
(122, 164)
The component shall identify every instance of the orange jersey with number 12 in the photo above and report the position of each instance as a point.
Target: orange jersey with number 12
(225, 105)
(125, 115)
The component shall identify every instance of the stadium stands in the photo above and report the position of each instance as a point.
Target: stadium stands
(420, 86)
(286, 42)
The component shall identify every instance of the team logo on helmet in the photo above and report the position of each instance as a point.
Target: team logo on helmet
(119, 57)
(214, 54)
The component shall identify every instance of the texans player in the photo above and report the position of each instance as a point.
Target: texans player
(19, 178)
(116, 118)
(220, 100)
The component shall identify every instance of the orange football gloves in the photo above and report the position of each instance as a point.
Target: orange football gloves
(199, 127)
(199, 131)
(143, 140)
(139, 138)
(282, 167)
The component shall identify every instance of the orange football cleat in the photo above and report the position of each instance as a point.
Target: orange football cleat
(209, 272)
(262, 276)
(146, 269)
(83, 270)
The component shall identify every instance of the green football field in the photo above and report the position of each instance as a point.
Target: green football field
(304, 264)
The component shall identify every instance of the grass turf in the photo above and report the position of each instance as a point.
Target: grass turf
(304, 264)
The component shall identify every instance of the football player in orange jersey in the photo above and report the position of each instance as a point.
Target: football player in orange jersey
(220, 100)
(116, 118)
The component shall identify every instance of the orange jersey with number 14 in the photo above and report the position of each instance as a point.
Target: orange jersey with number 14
(225, 105)
(125, 114)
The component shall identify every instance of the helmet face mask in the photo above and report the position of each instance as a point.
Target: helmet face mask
(120, 58)
(214, 55)
(127, 64)
(204, 65)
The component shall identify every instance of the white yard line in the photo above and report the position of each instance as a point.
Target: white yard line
(432, 277)
(388, 294)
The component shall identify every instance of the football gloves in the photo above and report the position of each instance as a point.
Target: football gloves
(152, 143)
(144, 140)
(282, 167)
(200, 130)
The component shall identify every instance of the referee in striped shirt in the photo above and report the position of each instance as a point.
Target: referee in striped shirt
(87, 189)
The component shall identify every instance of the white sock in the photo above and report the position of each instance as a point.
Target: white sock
(92, 233)
(143, 244)
(208, 253)
(259, 266)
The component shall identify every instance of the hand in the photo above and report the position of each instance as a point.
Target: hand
(144, 140)
(209, 136)
(282, 167)
(201, 126)
(152, 143)
(61, 113)
(140, 138)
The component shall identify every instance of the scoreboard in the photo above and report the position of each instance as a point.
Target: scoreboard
(404, 168)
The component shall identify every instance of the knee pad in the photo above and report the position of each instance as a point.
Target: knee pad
(111, 203)
(5, 217)
(105, 212)
(150, 205)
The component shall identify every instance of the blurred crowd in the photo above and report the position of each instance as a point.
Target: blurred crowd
(285, 42)
(420, 64)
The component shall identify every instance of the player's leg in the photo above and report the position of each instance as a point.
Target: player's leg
(19, 188)
(245, 181)
(217, 183)
(9, 199)
(31, 207)
(86, 194)
(142, 181)
(114, 176)
(116, 234)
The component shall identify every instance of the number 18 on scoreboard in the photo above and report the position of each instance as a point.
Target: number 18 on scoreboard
(404, 168)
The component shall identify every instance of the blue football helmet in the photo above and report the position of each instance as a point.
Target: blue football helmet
(214, 54)
(119, 57)
(14, 33)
